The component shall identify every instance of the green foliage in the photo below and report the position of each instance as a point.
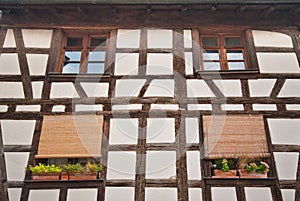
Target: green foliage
(42, 168)
(257, 166)
(93, 167)
(75, 168)
(225, 164)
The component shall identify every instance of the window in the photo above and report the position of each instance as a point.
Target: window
(223, 52)
(83, 53)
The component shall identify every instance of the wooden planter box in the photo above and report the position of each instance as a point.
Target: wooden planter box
(83, 176)
(245, 174)
(45, 176)
(64, 176)
(228, 174)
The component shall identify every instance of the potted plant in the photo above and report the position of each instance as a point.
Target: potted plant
(225, 168)
(253, 169)
(74, 171)
(93, 169)
(45, 172)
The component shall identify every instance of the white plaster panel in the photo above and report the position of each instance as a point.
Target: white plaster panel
(17, 132)
(159, 64)
(292, 107)
(193, 165)
(258, 194)
(128, 88)
(161, 88)
(160, 130)
(58, 108)
(192, 130)
(9, 64)
(271, 39)
(261, 87)
(127, 107)
(9, 39)
(123, 131)
(195, 194)
(63, 90)
(11, 90)
(232, 107)
(82, 194)
(288, 194)
(291, 88)
(164, 107)
(124, 171)
(14, 194)
(3, 108)
(189, 69)
(37, 63)
(199, 107)
(223, 194)
(28, 108)
(198, 88)
(160, 164)
(95, 89)
(230, 88)
(278, 62)
(115, 193)
(37, 88)
(128, 38)
(188, 42)
(262, 107)
(82, 107)
(126, 63)
(285, 131)
(45, 195)
(16, 164)
(161, 194)
(37, 38)
(159, 38)
(286, 164)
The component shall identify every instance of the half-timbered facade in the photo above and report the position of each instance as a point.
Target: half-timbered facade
(154, 91)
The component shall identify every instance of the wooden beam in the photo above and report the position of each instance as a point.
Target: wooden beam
(24, 68)
(3, 175)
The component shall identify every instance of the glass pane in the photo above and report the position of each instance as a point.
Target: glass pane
(72, 56)
(74, 41)
(99, 41)
(212, 66)
(71, 68)
(211, 55)
(235, 55)
(210, 41)
(95, 68)
(232, 41)
(97, 56)
(236, 65)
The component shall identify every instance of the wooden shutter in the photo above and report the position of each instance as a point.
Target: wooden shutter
(71, 136)
(234, 136)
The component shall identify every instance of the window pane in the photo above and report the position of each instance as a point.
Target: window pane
(210, 41)
(74, 41)
(211, 55)
(72, 56)
(236, 66)
(232, 41)
(99, 41)
(235, 55)
(212, 66)
(71, 68)
(97, 56)
(95, 68)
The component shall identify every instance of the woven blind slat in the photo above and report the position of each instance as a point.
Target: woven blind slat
(234, 136)
(71, 136)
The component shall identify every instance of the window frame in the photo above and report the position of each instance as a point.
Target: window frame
(84, 49)
(247, 46)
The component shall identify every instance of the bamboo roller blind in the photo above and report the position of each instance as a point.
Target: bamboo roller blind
(71, 136)
(234, 136)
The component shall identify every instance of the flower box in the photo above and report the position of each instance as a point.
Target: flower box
(64, 176)
(83, 176)
(246, 174)
(226, 174)
(45, 176)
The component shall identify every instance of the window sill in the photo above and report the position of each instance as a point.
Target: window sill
(36, 184)
(227, 74)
